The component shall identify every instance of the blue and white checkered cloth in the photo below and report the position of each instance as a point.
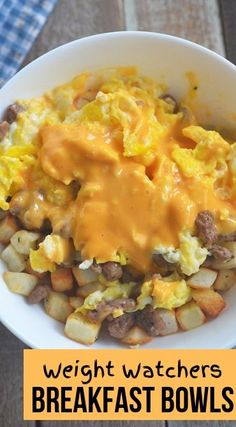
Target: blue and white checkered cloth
(20, 23)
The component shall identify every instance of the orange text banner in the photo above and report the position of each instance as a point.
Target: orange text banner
(129, 384)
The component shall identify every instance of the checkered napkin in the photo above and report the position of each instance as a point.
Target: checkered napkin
(20, 23)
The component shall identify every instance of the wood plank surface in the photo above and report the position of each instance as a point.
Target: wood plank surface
(201, 423)
(228, 15)
(72, 19)
(11, 379)
(106, 424)
(196, 20)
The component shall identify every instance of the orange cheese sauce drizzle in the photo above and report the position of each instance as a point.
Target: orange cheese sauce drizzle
(129, 203)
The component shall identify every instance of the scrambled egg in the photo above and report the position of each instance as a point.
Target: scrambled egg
(192, 255)
(210, 151)
(106, 155)
(53, 250)
(169, 294)
(163, 294)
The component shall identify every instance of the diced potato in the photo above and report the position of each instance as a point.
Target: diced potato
(190, 316)
(225, 265)
(57, 306)
(8, 227)
(81, 329)
(210, 302)
(20, 283)
(76, 302)
(83, 277)
(136, 336)
(225, 280)
(204, 278)
(84, 291)
(167, 321)
(24, 240)
(62, 279)
(14, 261)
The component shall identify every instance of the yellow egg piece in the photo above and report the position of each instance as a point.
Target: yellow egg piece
(169, 294)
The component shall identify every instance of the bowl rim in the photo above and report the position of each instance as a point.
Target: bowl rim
(99, 37)
(123, 35)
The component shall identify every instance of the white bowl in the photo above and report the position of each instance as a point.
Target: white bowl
(166, 59)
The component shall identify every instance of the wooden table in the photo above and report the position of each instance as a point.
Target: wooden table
(208, 22)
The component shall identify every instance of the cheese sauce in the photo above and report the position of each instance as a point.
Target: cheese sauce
(144, 171)
(119, 208)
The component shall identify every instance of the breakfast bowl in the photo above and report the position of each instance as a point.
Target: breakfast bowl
(187, 73)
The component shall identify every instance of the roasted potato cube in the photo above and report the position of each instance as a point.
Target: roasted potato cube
(62, 279)
(84, 291)
(81, 329)
(136, 336)
(204, 278)
(225, 265)
(190, 316)
(24, 240)
(83, 277)
(167, 321)
(210, 301)
(14, 261)
(57, 306)
(8, 227)
(20, 283)
(225, 280)
(76, 302)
